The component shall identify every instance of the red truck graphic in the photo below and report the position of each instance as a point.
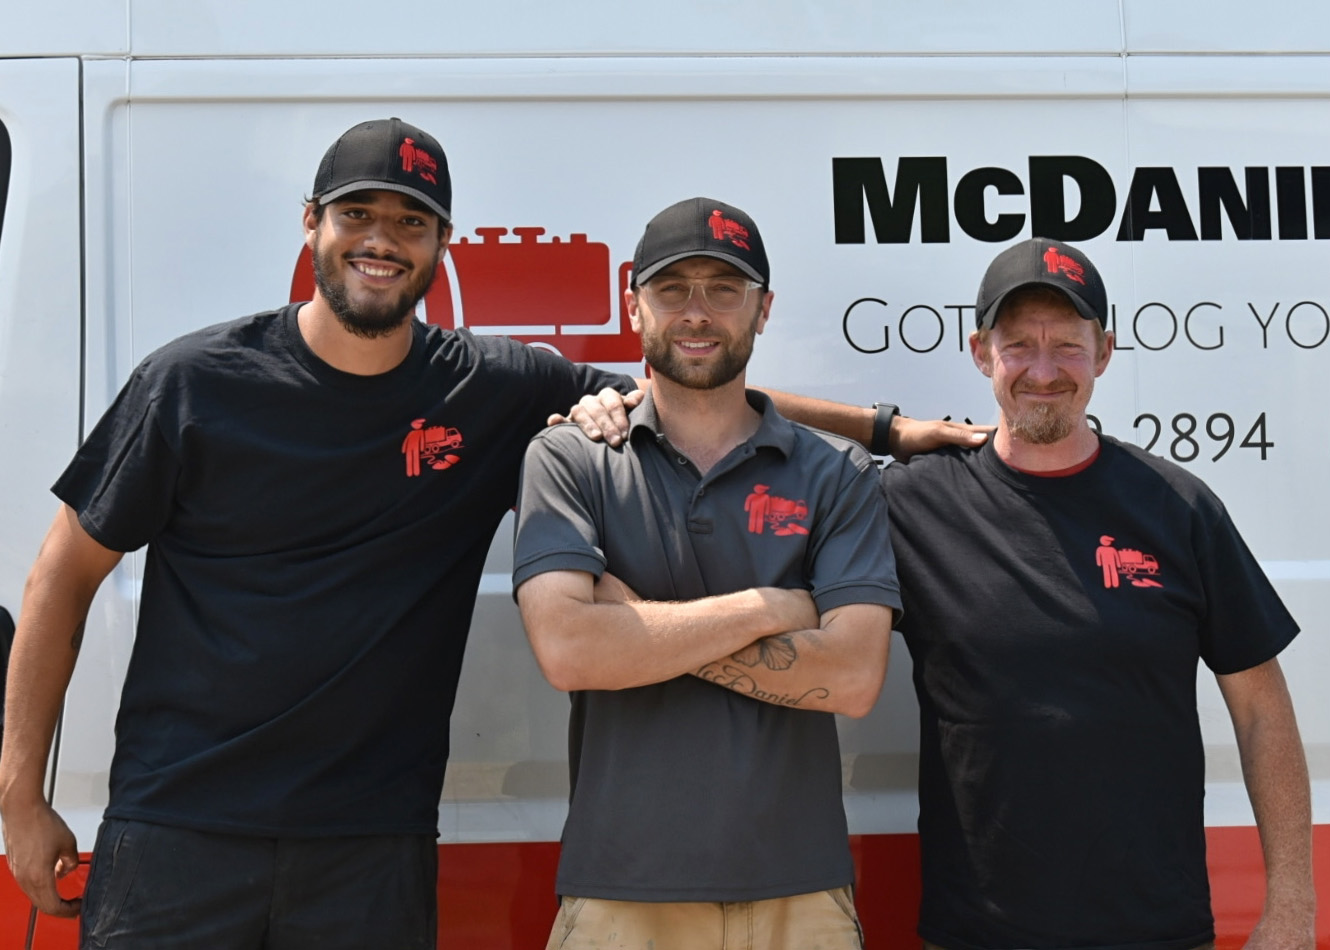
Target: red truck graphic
(550, 294)
(1132, 562)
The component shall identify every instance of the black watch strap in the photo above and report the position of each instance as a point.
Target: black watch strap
(884, 412)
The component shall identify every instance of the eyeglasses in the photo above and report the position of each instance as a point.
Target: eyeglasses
(722, 294)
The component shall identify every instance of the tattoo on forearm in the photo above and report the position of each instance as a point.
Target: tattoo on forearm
(76, 642)
(732, 677)
(775, 653)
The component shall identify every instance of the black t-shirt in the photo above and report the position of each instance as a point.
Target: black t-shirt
(1055, 626)
(315, 541)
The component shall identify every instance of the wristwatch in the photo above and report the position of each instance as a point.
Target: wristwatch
(884, 413)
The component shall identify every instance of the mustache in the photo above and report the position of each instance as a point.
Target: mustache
(370, 256)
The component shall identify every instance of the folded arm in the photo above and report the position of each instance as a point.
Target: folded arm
(585, 638)
(837, 667)
(1274, 768)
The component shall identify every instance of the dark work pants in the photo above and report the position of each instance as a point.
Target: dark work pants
(153, 887)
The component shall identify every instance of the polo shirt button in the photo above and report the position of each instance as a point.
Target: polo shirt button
(682, 460)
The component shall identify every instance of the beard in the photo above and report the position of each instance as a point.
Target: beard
(663, 358)
(369, 321)
(1042, 424)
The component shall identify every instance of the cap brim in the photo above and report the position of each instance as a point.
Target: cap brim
(374, 185)
(989, 317)
(649, 272)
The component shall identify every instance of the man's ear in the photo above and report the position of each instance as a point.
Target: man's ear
(981, 351)
(310, 221)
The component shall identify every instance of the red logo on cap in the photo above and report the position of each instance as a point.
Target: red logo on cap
(413, 156)
(723, 229)
(1061, 262)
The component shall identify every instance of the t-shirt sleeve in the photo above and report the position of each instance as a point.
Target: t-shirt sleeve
(122, 480)
(562, 383)
(1245, 622)
(557, 527)
(851, 561)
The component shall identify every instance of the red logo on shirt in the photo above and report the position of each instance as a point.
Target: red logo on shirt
(432, 445)
(1061, 262)
(1118, 563)
(781, 514)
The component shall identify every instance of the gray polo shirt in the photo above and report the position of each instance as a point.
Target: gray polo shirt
(684, 790)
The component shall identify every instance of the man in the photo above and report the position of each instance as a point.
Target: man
(1061, 767)
(310, 577)
(711, 591)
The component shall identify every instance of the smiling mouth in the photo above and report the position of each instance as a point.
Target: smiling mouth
(696, 346)
(377, 270)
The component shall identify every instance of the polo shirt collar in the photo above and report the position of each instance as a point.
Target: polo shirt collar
(774, 431)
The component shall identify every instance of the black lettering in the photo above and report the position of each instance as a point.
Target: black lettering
(1186, 327)
(1325, 319)
(1048, 205)
(1172, 216)
(920, 182)
(1113, 327)
(1321, 201)
(1136, 326)
(1291, 203)
(1265, 324)
(845, 327)
(941, 329)
(1250, 219)
(969, 204)
(961, 334)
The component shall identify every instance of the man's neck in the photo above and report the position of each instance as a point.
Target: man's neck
(704, 424)
(341, 349)
(1056, 456)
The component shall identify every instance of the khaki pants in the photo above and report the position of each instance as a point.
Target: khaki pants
(824, 919)
(933, 946)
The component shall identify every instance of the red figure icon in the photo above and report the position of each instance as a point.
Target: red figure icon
(1125, 562)
(782, 514)
(408, 153)
(430, 444)
(757, 505)
(411, 446)
(723, 229)
(1061, 262)
(1107, 556)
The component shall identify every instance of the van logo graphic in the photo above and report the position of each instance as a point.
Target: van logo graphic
(723, 229)
(781, 514)
(1117, 563)
(557, 295)
(431, 445)
(1061, 262)
(413, 155)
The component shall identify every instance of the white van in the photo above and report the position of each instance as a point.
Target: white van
(153, 158)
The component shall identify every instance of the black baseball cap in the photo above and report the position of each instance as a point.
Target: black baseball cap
(701, 227)
(387, 154)
(1042, 262)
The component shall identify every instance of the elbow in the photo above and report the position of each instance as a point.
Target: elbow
(558, 667)
(863, 688)
(860, 699)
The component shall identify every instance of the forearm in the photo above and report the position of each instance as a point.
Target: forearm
(1274, 768)
(584, 645)
(852, 422)
(838, 667)
(59, 590)
(46, 644)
